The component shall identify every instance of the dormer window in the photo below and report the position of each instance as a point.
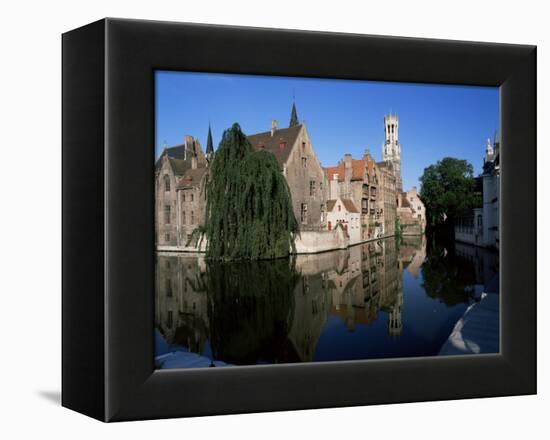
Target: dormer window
(282, 145)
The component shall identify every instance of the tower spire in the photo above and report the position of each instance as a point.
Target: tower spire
(293, 116)
(209, 146)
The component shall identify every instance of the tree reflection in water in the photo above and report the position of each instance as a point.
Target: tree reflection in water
(369, 301)
(250, 310)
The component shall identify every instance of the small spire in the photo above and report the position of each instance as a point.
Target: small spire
(209, 146)
(294, 117)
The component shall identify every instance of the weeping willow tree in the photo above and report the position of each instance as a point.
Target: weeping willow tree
(249, 208)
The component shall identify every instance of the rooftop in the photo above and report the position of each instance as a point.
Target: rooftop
(280, 144)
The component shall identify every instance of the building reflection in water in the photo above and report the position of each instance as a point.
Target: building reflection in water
(276, 311)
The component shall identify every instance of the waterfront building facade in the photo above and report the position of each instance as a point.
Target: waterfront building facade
(387, 200)
(480, 226)
(360, 195)
(344, 213)
(172, 165)
(411, 213)
(293, 149)
(191, 196)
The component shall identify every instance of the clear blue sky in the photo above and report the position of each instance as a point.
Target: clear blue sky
(341, 116)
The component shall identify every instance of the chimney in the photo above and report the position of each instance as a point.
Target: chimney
(188, 142)
(273, 126)
(347, 160)
(348, 172)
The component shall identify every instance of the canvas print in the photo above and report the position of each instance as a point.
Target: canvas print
(313, 220)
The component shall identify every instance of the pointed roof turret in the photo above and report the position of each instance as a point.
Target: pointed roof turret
(209, 146)
(293, 117)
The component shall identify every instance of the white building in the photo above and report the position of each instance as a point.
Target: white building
(343, 212)
(481, 226)
(417, 206)
(491, 195)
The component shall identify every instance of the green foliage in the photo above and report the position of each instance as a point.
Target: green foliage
(448, 190)
(249, 208)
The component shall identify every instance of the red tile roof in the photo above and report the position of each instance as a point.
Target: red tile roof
(357, 170)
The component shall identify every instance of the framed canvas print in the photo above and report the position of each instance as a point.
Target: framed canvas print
(263, 219)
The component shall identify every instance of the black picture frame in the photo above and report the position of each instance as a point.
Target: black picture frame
(108, 224)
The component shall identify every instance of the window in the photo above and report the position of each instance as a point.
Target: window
(169, 319)
(167, 237)
(479, 221)
(169, 288)
(183, 220)
(339, 208)
(183, 198)
(322, 212)
(321, 187)
(192, 197)
(167, 215)
(192, 217)
(303, 212)
(303, 146)
(166, 182)
(304, 162)
(312, 187)
(282, 145)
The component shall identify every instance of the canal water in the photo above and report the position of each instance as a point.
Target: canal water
(381, 299)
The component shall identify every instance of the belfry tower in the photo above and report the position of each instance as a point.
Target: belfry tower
(391, 150)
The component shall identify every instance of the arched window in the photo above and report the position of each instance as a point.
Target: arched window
(166, 182)
(479, 221)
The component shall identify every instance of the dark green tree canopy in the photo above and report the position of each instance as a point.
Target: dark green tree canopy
(249, 208)
(448, 190)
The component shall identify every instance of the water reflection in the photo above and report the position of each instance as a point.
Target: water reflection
(375, 300)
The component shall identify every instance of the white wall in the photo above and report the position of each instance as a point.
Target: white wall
(311, 242)
(31, 121)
